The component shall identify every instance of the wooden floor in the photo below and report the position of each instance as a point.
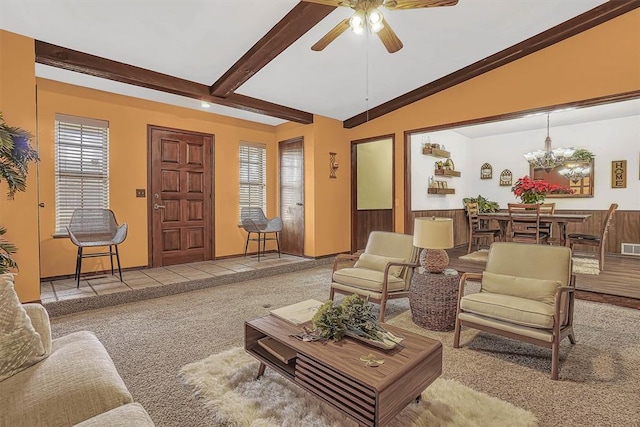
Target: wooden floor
(621, 277)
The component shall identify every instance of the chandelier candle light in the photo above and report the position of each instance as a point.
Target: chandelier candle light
(548, 159)
(433, 235)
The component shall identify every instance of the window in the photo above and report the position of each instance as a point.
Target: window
(253, 176)
(82, 166)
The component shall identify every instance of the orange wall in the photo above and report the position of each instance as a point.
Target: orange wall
(602, 61)
(17, 103)
(128, 119)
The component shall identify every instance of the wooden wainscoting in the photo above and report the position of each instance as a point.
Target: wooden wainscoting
(625, 226)
(369, 220)
(460, 225)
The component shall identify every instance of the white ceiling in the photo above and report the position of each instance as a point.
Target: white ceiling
(199, 40)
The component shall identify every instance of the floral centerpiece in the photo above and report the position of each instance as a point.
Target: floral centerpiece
(536, 190)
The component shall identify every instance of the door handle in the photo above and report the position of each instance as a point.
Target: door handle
(298, 204)
(157, 206)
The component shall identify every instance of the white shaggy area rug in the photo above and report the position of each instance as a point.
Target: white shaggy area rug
(580, 265)
(225, 383)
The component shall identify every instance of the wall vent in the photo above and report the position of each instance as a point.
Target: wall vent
(631, 249)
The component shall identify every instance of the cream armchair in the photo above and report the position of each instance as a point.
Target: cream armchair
(527, 294)
(381, 273)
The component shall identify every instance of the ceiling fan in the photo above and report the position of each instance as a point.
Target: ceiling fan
(368, 16)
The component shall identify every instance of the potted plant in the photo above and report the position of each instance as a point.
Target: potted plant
(535, 190)
(582, 155)
(15, 155)
(484, 204)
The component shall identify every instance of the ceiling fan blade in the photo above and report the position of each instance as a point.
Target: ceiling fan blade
(417, 4)
(389, 38)
(331, 35)
(326, 2)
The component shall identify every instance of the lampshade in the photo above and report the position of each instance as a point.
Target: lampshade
(433, 233)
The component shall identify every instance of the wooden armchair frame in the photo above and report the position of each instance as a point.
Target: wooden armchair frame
(558, 331)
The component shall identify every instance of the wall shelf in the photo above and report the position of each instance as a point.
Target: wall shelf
(428, 151)
(441, 190)
(446, 172)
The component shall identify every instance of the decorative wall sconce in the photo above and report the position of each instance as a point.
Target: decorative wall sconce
(486, 171)
(333, 165)
(506, 177)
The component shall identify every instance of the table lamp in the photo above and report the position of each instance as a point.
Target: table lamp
(433, 235)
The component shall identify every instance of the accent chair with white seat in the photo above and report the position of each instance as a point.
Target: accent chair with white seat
(526, 293)
(382, 272)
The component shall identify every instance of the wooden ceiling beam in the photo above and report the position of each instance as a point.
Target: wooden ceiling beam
(85, 63)
(578, 24)
(294, 25)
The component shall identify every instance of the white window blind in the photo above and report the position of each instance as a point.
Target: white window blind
(253, 176)
(82, 166)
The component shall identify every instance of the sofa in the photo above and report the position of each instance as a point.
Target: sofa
(70, 380)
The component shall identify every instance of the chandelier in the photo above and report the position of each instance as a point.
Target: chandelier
(548, 159)
(575, 172)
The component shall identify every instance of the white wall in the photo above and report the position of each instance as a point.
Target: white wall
(422, 168)
(609, 140)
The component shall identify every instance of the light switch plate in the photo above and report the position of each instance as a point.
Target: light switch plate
(140, 192)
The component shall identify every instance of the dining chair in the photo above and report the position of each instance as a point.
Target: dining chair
(477, 231)
(548, 208)
(592, 240)
(94, 228)
(524, 219)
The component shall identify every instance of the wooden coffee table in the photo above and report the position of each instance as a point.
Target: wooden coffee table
(333, 372)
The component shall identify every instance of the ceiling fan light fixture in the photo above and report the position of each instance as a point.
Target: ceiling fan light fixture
(375, 19)
(357, 22)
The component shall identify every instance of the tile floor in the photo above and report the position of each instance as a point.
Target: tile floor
(90, 285)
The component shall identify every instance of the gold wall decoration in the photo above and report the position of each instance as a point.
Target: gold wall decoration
(619, 174)
(486, 171)
(333, 165)
(506, 177)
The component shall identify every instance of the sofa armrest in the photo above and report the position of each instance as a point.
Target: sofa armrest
(40, 321)
(344, 258)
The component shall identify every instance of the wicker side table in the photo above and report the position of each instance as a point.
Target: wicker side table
(433, 299)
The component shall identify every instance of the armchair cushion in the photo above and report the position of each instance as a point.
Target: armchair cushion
(522, 287)
(378, 263)
(367, 279)
(20, 343)
(521, 311)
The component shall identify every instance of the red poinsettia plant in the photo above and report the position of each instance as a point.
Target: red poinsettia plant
(535, 190)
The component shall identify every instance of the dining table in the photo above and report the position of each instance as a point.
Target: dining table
(562, 219)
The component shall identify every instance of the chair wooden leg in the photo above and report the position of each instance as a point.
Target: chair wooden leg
(117, 259)
(601, 260)
(332, 294)
(278, 242)
(555, 358)
(572, 338)
(470, 244)
(456, 334)
(78, 266)
(383, 307)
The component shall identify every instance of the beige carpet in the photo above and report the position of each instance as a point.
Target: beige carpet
(580, 265)
(151, 340)
(225, 384)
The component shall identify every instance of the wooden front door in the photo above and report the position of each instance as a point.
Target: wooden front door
(180, 196)
(372, 193)
(292, 196)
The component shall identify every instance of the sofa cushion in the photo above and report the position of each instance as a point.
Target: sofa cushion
(367, 279)
(76, 382)
(378, 263)
(20, 343)
(522, 287)
(129, 415)
(521, 311)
